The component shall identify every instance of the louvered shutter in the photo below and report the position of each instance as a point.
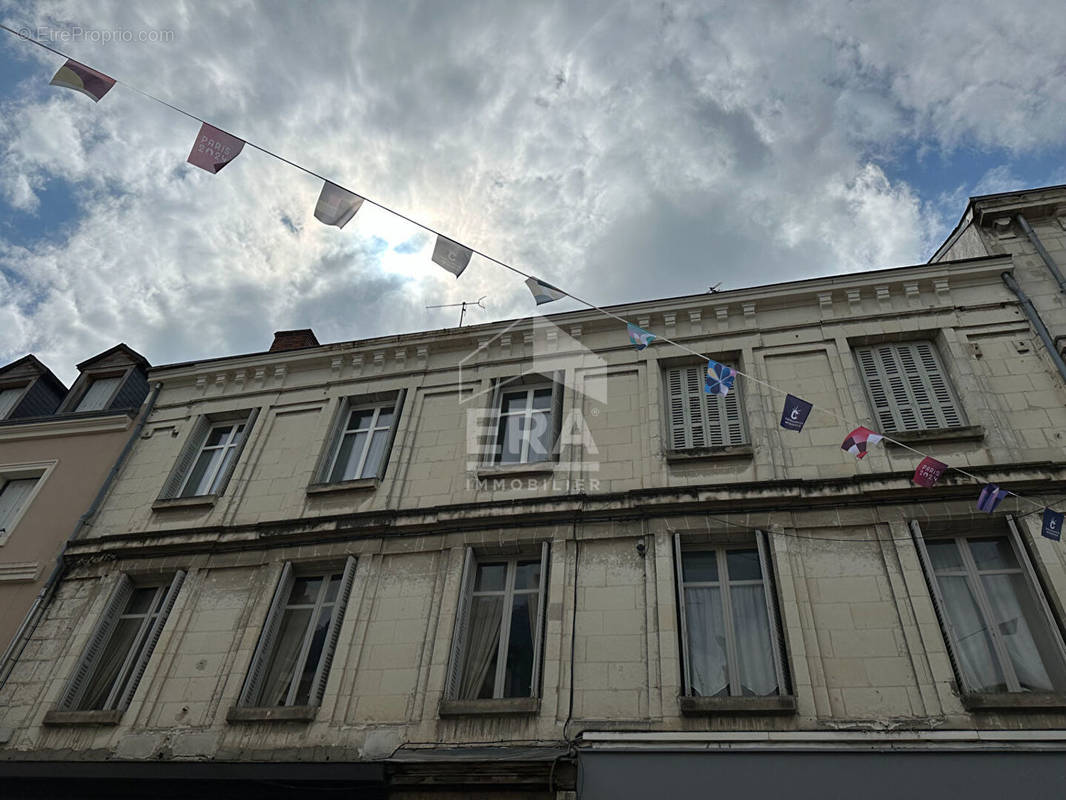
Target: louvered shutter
(322, 673)
(542, 601)
(267, 639)
(94, 650)
(152, 638)
(227, 471)
(558, 387)
(876, 387)
(462, 619)
(686, 674)
(936, 383)
(397, 408)
(680, 436)
(777, 631)
(186, 459)
(908, 387)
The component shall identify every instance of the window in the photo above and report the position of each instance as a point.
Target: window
(697, 419)
(98, 396)
(9, 396)
(529, 416)
(210, 454)
(730, 637)
(14, 494)
(999, 627)
(121, 644)
(908, 387)
(363, 440)
(496, 647)
(292, 659)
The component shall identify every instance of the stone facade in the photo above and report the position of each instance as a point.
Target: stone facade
(866, 657)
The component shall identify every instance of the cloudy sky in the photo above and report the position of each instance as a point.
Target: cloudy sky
(621, 150)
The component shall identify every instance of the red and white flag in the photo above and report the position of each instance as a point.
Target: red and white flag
(860, 440)
(214, 149)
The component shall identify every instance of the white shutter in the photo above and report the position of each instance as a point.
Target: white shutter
(908, 387)
(936, 381)
(152, 638)
(322, 673)
(94, 650)
(186, 458)
(13, 495)
(686, 674)
(462, 618)
(267, 639)
(1034, 586)
(99, 393)
(692, 388)
(558, 386)
(538, 634)
(875, 387)
(397, 408)
(777, 633)
(231, 464)
(680, 437)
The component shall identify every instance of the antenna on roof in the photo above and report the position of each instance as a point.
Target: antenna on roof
(464, 304)
(714, 289)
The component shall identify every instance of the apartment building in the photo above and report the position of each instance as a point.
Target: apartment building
(526, 559)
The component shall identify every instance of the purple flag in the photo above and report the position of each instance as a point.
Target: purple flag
(1052, 524)
(991, 496)
(929, 471)
(214, 149)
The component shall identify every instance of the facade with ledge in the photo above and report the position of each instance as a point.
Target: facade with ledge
(348, 565)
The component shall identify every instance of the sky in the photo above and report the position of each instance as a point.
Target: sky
(622, 151)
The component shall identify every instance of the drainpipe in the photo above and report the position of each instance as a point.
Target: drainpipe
(1044, 254)
(1034, 317)
(40, 603)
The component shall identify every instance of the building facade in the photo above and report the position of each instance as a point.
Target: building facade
(525, 559)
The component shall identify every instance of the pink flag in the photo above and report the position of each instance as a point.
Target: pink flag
(929, 471)
(214, 149)
(81, 78)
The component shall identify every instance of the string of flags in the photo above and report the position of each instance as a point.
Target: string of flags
(336, 206)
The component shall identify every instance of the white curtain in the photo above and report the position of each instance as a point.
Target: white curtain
(483, 641)
(973, 646)
(755, 656)
(1004, 594)
(706, 637)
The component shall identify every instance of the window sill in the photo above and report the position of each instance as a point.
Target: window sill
(709, 453)
(276, 714)
(344, 486)
(509, 705)
(1014, 701)
(82, 718)
(199, 501)
(971, 433)
(500, 470)
(709, 706)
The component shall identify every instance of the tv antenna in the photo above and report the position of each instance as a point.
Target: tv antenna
(462, 306)
(714, 289)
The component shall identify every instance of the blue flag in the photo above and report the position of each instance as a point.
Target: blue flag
(795, 413)
(638, 336)
(1052, 524)
(991, 496)
(719, 379)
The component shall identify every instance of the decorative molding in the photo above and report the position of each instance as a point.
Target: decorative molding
(825, 301)
(854, 297)
(64, 426)
(401, 357)
(911, 289)
(749, 309)
(201, 382)
(575, 332)
(239, 377)
(336, 363)
(883, 295)
(20, 571)
(940, 286)
(643, 322)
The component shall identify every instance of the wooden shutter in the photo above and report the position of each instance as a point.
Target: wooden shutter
(149, 644)
(538, 634)
(908, 387)
(462, 619)
(557, 413)
(733, 429)
(253, 684)
(186, 458)
(686, 674)
(94, 650)
(687, 419)
(227, 471)
(397, 408)
(1035, 587)
(322, 673)
(777, 632)
(876, 389)
(936, 382)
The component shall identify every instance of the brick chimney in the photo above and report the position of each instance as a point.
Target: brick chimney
(293, 340)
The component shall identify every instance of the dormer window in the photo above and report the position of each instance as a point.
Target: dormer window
(9, 397)
(99, 394)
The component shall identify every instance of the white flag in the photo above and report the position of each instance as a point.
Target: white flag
(544, 292)
(451, 255)
(336, 206)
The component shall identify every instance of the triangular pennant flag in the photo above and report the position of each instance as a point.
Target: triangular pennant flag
(336, 206)
(719, 379)
(860, 440)
(1052, 524)
(451, 255)
(795, 413)
(214, 149)
(81, 78)
(544, 292)
(638, 336)
(929, 471)
(990, 497)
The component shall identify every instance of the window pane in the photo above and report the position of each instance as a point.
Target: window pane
(751, 626)
(707, 642)
(98, 393)
(518, 670)
(331, 590)
(384, 419)
(360, 420)
(700, 565)
(13, 497)
(977, 661)
(141, 602)
(282, 662)
(348, 457)
(217, 436)
(743, 565)
(376, 454)
(540, 437)
(481, 647)
(944, 554)
(1025, 634)
(513, 401)
(542, 399)
(107, 671)
(314, 654)
(509, 439)
(228, 454)
(528, 575)
(8, 398)
(490, 577)
(203, 473)
(993, 554)
(304, 591)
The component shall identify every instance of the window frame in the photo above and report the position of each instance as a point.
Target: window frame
(83, 384)
(23, 388)
(40, 470)
(1032, 581)
(377, 401)
(460, 632)
(723, 411)
(190, 452)
(777, 645)
(529, 383)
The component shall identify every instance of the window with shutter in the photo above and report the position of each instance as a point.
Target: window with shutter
(697, 419)
(908, 387)
(209, 456)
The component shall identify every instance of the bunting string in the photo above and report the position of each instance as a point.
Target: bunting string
(214, 148)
